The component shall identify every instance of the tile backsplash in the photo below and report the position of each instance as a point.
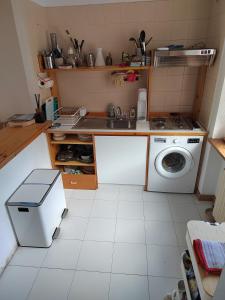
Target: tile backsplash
(109, 26)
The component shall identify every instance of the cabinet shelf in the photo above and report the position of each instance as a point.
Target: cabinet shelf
(99, 69)
(71, 140)
(73, 163)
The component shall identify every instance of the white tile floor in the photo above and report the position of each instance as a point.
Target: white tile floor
(117, 243)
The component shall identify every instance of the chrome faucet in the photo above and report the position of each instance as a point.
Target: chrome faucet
(118, 112)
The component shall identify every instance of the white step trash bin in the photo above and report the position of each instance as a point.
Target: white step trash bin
(37, 207)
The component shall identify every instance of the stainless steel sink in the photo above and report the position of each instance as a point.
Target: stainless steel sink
(105, 123)
(121, 124)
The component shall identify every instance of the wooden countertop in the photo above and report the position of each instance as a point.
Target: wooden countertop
(14, 140)
(219, 145)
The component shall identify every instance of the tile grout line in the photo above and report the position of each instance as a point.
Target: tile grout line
(146, 247)
(82, 241)
(114, 241)
(29, 293)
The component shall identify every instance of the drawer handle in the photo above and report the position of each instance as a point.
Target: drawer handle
(73, 182)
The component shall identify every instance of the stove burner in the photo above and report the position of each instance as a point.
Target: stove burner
(159, 123)
(170, 123)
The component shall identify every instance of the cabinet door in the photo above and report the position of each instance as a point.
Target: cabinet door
(121, 159)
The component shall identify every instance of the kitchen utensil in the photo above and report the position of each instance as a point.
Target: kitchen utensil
(57, 52)
(71, 57)
(146, 44)
(81, 44)
(142, 36)
(59, 61)
(88, 170)
(83, 111)
(91, 60)
(70, 37)
(86, 159)
(100, 61)
(65, 155)
(142, 41)
(48, 62)
(132, 39)
(108, 60)
(84, 137)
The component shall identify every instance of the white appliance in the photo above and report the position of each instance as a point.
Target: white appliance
(36, 208)
(142, 105)
(173, 163)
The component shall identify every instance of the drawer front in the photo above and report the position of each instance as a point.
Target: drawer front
(71, 181)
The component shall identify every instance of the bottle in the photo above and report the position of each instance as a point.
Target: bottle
(100, 61)
(108, 59)
(71, 57)
(142, 105)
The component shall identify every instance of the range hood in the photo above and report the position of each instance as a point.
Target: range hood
(184, 57)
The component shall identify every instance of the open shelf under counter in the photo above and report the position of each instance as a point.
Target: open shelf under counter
(207, 283)
(79, 181)
(72, 140)
(185, 278)
(73, 163)
(99, 69)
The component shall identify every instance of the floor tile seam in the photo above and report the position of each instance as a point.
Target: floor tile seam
(48, 250)
(146, 250)
(103, 218)
(33, 283)
(177, 237)
(84, 199)
(71, 283)
(110, 279)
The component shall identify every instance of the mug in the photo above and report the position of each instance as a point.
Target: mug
(175, 295)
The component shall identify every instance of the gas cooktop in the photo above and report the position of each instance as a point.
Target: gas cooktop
(173, 123)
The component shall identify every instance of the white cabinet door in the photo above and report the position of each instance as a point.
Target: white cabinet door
(121, 159)
(35, 155)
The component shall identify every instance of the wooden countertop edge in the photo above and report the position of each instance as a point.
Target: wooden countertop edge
(219, 146)
(7, 157)
(132, 133)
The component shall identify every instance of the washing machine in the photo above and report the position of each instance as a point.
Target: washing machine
(173, 163)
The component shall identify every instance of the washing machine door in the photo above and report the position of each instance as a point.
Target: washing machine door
(174, 162)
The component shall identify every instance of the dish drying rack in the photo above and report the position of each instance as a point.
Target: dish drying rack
(67, 116)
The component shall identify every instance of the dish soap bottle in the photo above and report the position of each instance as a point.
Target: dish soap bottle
(142, 105)
(100, 61)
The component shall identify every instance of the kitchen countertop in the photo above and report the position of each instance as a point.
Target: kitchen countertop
(142, 128)
(219, 146)
(14, 140)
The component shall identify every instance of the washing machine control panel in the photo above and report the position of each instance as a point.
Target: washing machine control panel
(193, 141)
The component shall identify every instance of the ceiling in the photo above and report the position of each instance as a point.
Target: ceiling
(79, 2)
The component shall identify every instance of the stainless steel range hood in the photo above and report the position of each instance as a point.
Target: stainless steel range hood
(184, 57)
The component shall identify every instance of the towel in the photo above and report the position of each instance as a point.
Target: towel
(210, 254)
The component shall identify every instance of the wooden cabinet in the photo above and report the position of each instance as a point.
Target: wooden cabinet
(121, 159)
(73, 181)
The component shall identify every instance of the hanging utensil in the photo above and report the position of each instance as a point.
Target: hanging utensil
(70, 37)
(132, 39)
(142, 42)
(146, 44)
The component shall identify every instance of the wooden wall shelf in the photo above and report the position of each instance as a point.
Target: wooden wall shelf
(99, 69)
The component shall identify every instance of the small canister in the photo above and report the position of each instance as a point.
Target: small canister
(91, 60)
(49, 62)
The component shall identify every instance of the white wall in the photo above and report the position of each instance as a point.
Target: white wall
(35, 155)
(13, 86)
